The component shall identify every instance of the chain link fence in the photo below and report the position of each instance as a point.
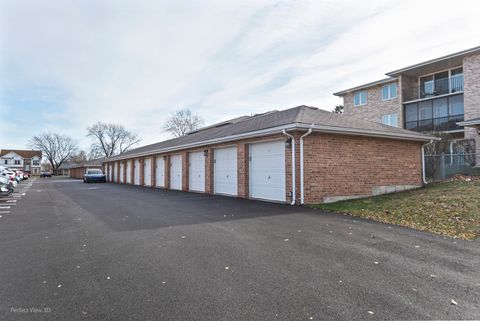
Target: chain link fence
(445, 166)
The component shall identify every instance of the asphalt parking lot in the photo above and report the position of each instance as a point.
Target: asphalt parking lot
(76, 251)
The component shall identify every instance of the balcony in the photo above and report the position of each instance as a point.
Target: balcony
(433, 88)
(435, 124)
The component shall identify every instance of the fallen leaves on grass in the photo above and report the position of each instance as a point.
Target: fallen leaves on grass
(451, 208)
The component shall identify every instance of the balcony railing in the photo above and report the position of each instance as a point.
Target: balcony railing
(435, 124)
(433, 88)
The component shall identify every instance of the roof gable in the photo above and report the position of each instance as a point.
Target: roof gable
(11, 155)
(22, 153)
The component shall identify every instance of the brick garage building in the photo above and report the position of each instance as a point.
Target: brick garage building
(76, 170)
(299, 155)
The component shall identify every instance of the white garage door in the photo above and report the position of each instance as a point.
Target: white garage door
(176, 172)
(196, 172)
(147, 172)
(136, 172)
(121, 171)
(225, 171)
(267, 171)
(160, 172)
(129, 172)
(115, 175)
(110, 174)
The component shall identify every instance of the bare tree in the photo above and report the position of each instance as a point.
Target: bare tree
(55, 147)
(437, 147)
(182, 122)
(110, 139)
(79, 157)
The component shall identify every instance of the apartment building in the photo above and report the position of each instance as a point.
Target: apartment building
(26, 160)
(439, 95)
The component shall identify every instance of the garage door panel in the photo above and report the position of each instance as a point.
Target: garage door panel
(147, 172)
(176, 172)
(196, 172)
(115, 172)
(160, 172)
(267, 171)
(136, 172)
(129, 172)
(121, 172)
(225, 171)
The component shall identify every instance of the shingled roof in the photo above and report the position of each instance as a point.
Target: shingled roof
(22, 153)
(297, 118)
(90, 163)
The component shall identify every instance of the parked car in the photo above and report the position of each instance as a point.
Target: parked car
(9, 173)
(94, 175)
(19, 174)
(7, 181)
(46, 174)
(6, 185)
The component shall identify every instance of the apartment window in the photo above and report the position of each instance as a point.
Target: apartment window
(390, 120)
(455, 105)
(360, 98)
(5, 162)
(441, 83)
(35, 162)
(389, 91)
(439, 114)
(17, 162)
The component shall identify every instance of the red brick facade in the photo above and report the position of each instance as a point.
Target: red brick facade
(335, 166)
(78, 172)
(341, 166)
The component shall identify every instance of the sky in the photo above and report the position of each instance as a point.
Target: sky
(65, 65)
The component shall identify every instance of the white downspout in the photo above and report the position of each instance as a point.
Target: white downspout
(424, 179)
(294, 192)
(302, 191)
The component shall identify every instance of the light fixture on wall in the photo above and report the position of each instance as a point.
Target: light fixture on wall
(165, 157)
(205, 152)
(288, 143)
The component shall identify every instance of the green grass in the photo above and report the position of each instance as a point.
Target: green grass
(450, 208)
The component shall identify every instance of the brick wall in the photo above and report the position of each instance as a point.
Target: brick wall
(338, 167)
(209, 189)
(471, 97)
(132, 171)
(242, 169)
(376, 107)
(167, 171)
(78, 172)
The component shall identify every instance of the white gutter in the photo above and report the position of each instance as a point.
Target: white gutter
(294, 192)
(274, 130)
(469, 122)
(302, 192)
(424, 179)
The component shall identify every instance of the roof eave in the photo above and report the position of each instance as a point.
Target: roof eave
(469, 123)
(365, 86)
(397, 72)
(278, 130)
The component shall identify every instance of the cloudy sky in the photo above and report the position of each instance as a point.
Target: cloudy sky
(67, 64)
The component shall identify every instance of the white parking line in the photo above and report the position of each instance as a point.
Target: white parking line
(4, 207)
(12, 201)
(4, 212)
